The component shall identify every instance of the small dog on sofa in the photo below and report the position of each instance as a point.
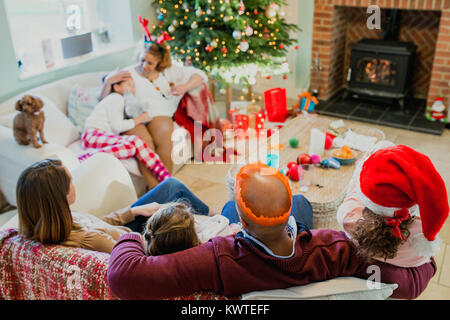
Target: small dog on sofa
(29, 121)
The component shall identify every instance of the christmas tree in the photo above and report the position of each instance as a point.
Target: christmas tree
(232, 40)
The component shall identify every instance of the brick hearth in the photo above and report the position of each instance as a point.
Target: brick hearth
(340, 23)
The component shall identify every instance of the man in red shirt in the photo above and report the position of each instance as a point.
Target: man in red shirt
(272, 251)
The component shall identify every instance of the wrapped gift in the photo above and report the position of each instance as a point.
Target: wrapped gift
(307, 102)
(241, 121)
(276, 104)
(259, 121)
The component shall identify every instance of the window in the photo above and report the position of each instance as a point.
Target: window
(50, 34)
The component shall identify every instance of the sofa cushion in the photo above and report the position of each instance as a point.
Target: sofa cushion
(343, 288)
(131, 164)
(57, 127)
(80, 104)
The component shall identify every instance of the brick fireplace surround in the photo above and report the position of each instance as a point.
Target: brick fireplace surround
(340, 23)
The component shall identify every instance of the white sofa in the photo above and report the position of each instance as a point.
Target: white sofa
(63, 143)
(102, 185)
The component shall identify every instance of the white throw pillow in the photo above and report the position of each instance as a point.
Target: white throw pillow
(57, 127)
(80, 104)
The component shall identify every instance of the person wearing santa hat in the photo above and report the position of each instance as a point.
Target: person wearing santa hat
(396, 203)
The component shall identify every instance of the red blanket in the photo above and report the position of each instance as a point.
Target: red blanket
(30, 270)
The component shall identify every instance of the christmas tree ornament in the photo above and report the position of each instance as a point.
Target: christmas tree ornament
(270, 12)
(224, 50)
(315, 159)
(281, 46)
(285, 77)
(438, 111)
(304, 158)
(255, 12)
(194, 25)
(171, 28)
(208, 48)
(248, 31)
(160, 17)
(244, 46)
(237, 34)
(241, 10)
(293, 142)
(199, 12)
(208, 12)
(213, 44)
(294, 173)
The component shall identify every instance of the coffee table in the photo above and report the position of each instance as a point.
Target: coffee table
(329, 185)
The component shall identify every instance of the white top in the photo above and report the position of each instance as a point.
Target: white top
(161, 102)
(209, 227)
(108, 116)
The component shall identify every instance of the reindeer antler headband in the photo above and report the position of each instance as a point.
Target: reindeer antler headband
(148, 38)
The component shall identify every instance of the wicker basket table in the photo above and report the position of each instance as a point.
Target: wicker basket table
(329, 185)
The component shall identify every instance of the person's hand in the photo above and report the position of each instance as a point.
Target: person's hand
(178, 90)
(146, 210)
(118, 76)
(142, 118)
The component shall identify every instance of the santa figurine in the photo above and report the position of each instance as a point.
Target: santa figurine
(438, 110)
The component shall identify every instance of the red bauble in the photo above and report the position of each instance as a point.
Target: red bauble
(328, 140)
(268, 77)
(255, 12)
(293, 173)
(224, 50)
(296, 47)
(290, 164)
(281, 46)
(285, 77)
(304, 158)
(208, 49)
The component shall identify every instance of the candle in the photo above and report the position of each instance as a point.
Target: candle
(317, 142)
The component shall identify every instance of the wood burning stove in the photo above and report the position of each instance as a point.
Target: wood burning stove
(381, 69)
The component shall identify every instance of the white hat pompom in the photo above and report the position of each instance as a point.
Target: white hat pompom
(424, 247)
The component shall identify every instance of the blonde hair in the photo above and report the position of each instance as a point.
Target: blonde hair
(161, 52)
(171, 229)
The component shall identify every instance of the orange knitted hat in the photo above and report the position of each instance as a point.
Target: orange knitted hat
(263, 194)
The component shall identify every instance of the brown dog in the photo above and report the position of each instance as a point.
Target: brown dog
(29, 121)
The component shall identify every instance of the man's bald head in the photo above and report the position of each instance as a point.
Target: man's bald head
(263, 195)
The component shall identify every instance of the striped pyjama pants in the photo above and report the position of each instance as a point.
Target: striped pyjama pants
(123, 147)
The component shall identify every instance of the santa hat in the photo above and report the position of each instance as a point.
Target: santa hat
(398, 182)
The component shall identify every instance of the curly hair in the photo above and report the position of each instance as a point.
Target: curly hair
(374, 238)
(171, 229)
